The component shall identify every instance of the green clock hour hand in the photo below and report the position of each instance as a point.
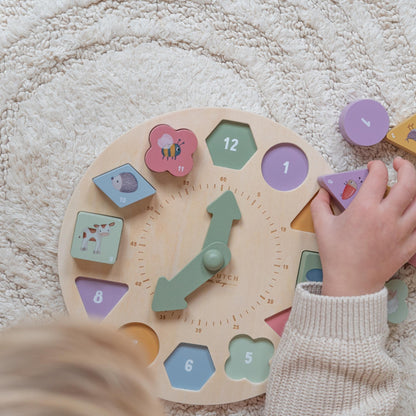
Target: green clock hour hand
(224, 211)
(170, 294)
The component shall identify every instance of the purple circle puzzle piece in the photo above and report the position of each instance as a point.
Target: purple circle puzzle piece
(285, 167)
(364, 122)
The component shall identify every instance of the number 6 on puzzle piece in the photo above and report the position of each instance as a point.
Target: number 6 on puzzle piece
(343, 187)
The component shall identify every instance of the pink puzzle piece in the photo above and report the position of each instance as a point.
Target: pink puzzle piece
(412, 260)
(171, 150)
(278, 322)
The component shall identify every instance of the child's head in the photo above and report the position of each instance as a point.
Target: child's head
(71, 369)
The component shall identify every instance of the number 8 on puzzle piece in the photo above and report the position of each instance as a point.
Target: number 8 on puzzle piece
(343, 187)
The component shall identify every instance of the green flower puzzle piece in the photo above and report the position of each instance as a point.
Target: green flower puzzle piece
(396, 304)
(249, 358)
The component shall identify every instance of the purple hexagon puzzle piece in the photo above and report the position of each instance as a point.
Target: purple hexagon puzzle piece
(344, 186)
(364, 122)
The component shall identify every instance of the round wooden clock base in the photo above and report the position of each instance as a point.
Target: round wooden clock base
(143, 212)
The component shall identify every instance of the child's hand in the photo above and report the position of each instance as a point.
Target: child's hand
(364, 246)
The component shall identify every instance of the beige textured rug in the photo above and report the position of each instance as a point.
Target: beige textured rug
(76, 74)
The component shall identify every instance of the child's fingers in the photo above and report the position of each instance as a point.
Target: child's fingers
(411, 244)
(321, 208)
(408, 219)
(404, 191)
(374, 186)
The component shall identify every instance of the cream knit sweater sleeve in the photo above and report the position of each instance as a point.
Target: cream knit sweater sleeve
(331, 359)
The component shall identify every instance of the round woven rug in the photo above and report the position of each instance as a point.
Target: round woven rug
(76, 74)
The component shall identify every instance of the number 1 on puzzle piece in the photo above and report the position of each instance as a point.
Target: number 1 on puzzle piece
(343, 187)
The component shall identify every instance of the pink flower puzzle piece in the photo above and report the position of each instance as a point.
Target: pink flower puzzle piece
(171, 150)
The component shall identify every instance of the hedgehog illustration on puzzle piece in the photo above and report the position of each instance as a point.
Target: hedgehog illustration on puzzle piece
(124, 185)
(125, 182)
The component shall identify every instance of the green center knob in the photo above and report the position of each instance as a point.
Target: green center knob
(213, 260)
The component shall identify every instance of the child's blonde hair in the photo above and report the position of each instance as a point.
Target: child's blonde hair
(73, 369)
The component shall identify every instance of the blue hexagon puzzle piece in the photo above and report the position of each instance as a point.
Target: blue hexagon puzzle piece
(124, 185)
(189, 366)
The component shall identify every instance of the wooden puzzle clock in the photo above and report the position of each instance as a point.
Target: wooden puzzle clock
(187, 233)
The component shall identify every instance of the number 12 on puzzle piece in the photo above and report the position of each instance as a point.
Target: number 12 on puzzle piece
(344, 186)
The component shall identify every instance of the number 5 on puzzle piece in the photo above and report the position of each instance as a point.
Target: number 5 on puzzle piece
(343, 187)
(171, 150)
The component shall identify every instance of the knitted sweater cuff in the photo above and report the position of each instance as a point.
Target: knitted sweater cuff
(348, 318)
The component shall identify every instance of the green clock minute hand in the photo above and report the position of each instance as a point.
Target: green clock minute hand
(215, 255)
(224, 210)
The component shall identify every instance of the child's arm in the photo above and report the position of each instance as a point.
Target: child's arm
(364, 246)
(332, 359)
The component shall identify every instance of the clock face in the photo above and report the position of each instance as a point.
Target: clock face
(187, 233)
